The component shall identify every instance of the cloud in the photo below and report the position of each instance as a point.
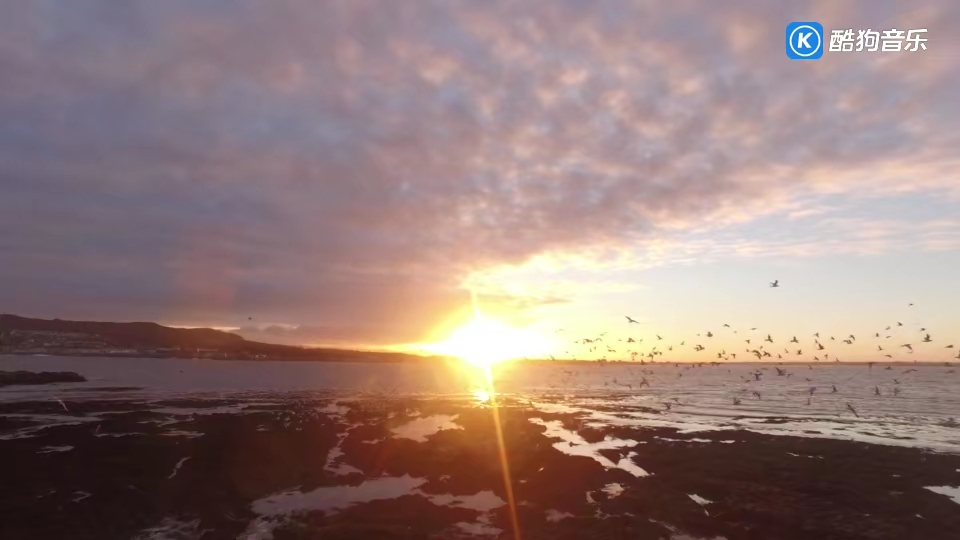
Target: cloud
(349, 165)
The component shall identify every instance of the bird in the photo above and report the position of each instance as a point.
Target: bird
(899, 323)
(775, 283)
(926, 338)
(834, 389)
(854, 411)
(794, 340)
(62, 404)
(631, 320)
(948, 347)
(876, 390)
(756, 394)
(769, 339)
(908, 346)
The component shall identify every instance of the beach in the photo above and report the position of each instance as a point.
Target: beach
(111, 459)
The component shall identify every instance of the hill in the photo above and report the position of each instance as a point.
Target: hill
(23, 335)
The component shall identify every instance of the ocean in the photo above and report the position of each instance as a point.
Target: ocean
(912, 405)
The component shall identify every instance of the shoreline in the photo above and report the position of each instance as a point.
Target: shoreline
(414, 359)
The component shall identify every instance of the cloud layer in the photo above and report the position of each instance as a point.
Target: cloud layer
(346, 165)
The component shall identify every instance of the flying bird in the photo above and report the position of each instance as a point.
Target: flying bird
(775, 283)
(854, 411)
(631, 320)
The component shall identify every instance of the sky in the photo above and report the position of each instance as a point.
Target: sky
(347, 173)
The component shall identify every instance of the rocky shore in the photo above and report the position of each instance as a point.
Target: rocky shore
(311, 468)
(44, 377)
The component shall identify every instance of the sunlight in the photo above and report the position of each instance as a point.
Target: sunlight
(484, 342)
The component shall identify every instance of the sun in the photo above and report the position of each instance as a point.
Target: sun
(484, 342)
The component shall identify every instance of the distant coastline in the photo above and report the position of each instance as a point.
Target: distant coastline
(24, 336)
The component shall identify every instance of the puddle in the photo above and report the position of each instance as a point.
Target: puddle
(484, 501)
(950, 491)
(480, 527)
(336, 497)
(177, 467)
(701, 501)
(182, 433)
(572, 444)
(613, 490)
(419, 429)
(554, 516)
(334, 409)
(334, 466)
(55, 449)
(172, 529)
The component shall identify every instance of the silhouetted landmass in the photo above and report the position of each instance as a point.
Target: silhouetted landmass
(44, 377)
(23, 335)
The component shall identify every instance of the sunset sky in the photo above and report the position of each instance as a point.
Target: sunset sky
(346, 172)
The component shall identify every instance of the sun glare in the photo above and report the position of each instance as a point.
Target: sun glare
(484, 342)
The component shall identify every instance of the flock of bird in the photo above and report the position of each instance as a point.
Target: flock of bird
(760, 346)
